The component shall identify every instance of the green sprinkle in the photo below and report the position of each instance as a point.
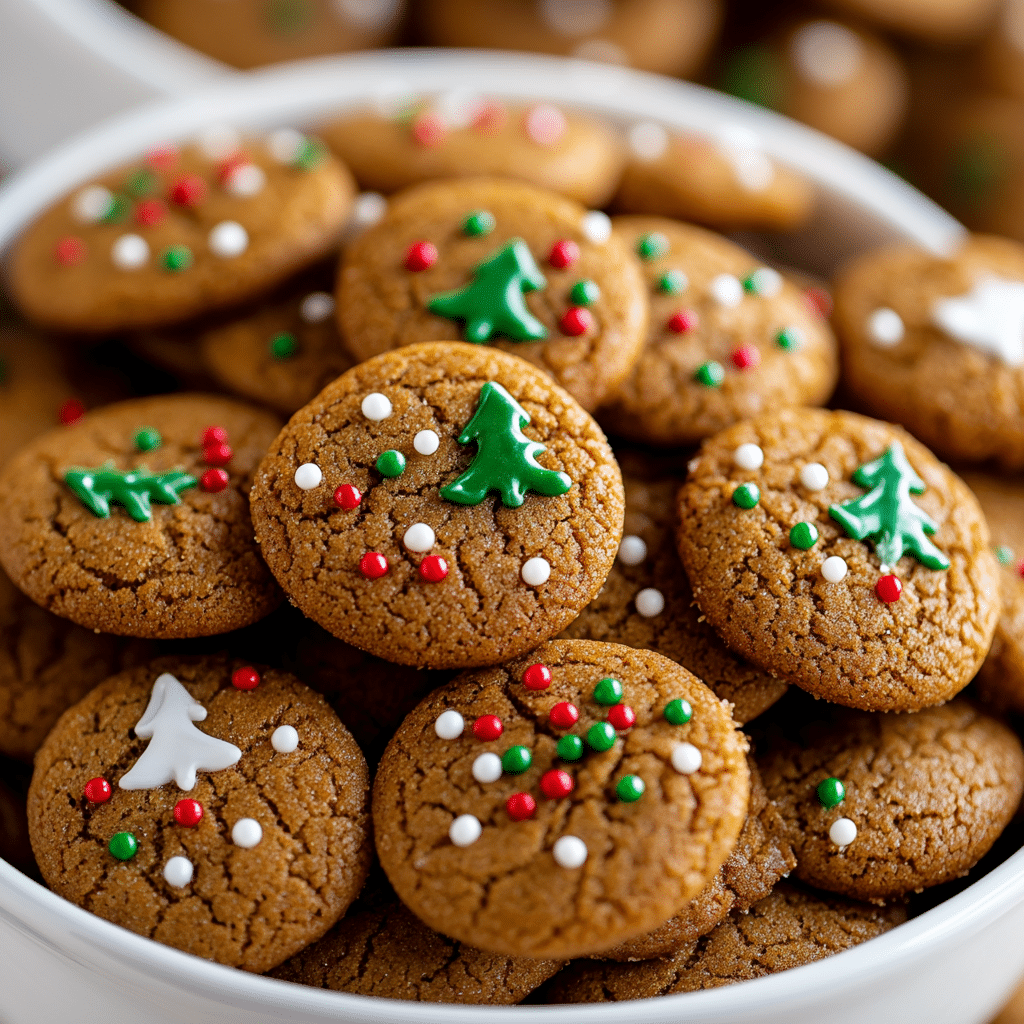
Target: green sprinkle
(755, 74)
(831, 793)
(652, 245)
(570, 748)
(147, 439)
(672, 282)
(803, 535)
(746, 495)
(141, 183)
(584, 293)
(630, 788)
(608, 691)
(1004, 554)
(117, 211)
(310, 153)
(391, 463)
(678, 711)
(479, 222)
(601, 736)
(710, 374)
(516, 760)
(123, 845)
(790, 339)
(283, 345)
(177, 258)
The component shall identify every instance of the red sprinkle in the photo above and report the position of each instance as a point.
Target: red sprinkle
(347, 497)
(150, 212)
(746, 357)
(621, 716)
(228, 167)
(1020, 570)
(820, 301)
(490, 119)
(556, 784)
(421, 256)
(188, 190)
(97, 791)
(537, 677)
(71, 412)
(162, 157)
(213, 435)
(373, 565)
(245, 678)
(520, 806)
(429, 129)
(433, 568)
(488, 727)
(564, 253)
(217, 454)
(682, 321)
(564, 715)
(69, 251)
(188, 813)
(213, 481)
(888, 589)
(576, 320)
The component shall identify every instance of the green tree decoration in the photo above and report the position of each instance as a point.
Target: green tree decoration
(98, 488)
(506, 459)
(886, 514)
(492, 303)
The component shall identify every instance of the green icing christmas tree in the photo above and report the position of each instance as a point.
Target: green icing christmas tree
(492, 303)
(886, 515)
(98, 488)
(506, 459)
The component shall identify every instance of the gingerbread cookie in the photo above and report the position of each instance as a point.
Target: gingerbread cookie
(135, 520)
(882, 805)
(838, 552)
(455, 135)
(182, 232)
(725, 181)
(562, 803)
(495, 261)
(241, 840)
(938, 344)
(727, 338)
(789, 928)
(441, 506)
(1001, 57)
(647, 603)
(933, 21)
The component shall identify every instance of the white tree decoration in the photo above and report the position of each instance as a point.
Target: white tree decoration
(177, 749)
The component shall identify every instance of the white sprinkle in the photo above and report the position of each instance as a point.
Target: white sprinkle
(545, 124)
(419, 538)
(308, 476)
(92, 204)
(686, 758)
(284, 739)
(464, 830)
(647, 141)
(576, 17)
(570, 852)
(487, 768)
(426, 442)
(449, 725)
(597, 226)
(228, 239)
(748, 456)
(316, 307)
(632, 550)
(650, 602)
(726, 290)
(369, 15)
(368, 208)
(885, 327)
(826, 53)
(753, 169)
(842, 832)
(536, 571)
(458, 108)
(834, 569)
(284, 144)
(129, 252)
(245, 181)
(218, 142)
(767, 282)
(247, 833)
(178, 872)
(814, 476)
(376, 407)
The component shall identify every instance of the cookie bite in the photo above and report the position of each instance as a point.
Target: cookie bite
(442, 506)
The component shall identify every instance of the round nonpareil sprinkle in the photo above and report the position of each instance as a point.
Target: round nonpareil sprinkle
(70, 412)
(888, 589)
(316, 307)
(449, 725)
(176, 259)
(285, 739)
(149, 213)
(748, 456)
(376, 407)
(545, 124)
(123, 845)
(429, 129)
(630, 788)
(764, 281)
(686, 758)
(746, 496)
(213, 481)
(487, 728)
(678, 711)
(433, 569)
(576, 320)
(621, 717)
(556, 784)
(710, 374)
(246, 678)
(213, 435)
(564, 715)
(842, 832)
(650, 602)
(536, 571)
(487, 768)
(390, 463)
(91, 204)
(570, 852)
(228, 239)
(673, 282)
(129, 252)
(308, 476)
(537, 677)
(148, 439)
(480, 222)
(245, 180)
(652, 245)
(608, 691)
(682, 321)
(284, 144)
(885, 328)
(347, 497)
(814, 476)
(97, 791)
(420, 256)
(1004, 554)
(790, 339)
(601, 736)
(247, 833)
(419, 538)
(596, 226)
(426, 442)
(746, 357)
(632, 550)
(69, 251)
(516, 760)
(803, 536)
(188, 813)
(520, 806)
(831, 793)
(726, 290)
(584, 293)
(564, 253)
(178, 872)
(834, 569)
(188, 190)
(570, 748)
(283, 345)
(217, 454)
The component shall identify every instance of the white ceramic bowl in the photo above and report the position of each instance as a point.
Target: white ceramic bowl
(954, 964)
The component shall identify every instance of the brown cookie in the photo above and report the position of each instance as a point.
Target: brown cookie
(882, 805)
(156, 544)
(493, 260)
(726, 339)
(938, 345)
(391, 954)
(510, 820)
(400, 539)
(647, 603)
(934, 21)
(181, 233)
(789, 928)
(246, 864)
(769, 523)
(1000, 58)
(454, 135)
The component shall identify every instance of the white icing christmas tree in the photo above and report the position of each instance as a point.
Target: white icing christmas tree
(177, 749)
(990, 317)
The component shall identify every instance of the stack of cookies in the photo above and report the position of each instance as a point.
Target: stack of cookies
(433, 691)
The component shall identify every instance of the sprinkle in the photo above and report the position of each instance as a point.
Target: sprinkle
(764, 282)
(129, 252)
(178, 872)
(652, 245)
(885, 328)
(842, 832)
(630, 788)
(213, 435)
(516, 760)
(480, 222)
(556, 784)
(316, 307)
(284, 145)
(596, 226)
(92, 204)
(176, 258)
(376, 407)
(228, 239)
(141, 183)
(520, 806)
(188, 813)
(673, 282)
(819, 301)
(584, 293)
(1004, 555)
(710, 374)
(419, 538)
(426, 442)
(545, 124)
(831, 793)
(188, 190)
(311, 153)
(487, 728)
(308, 476)
(748, 456)
(487, 768)
(803, 536)
(686, 758)
(70, 412)
(69, 251)
(536, 571)
(429, 129)
(790, 339)
(390, 463)
(564, 253)
(647, 141)
(834, 569)
(217, 454)
(570, 852)
(746, 357)
(283, 345)
(601, 736)
(433, 569)
(347, 497)
(682, 321)
(162, 157)
(97, 791)
(622, 717)
(632, 550)
(123, 845)
(608, 691)
(449, 725)
(570, 748)
(373, 565)
(420, 256)
(465, 830)
(284, 739)
(746, 496)
(245, 180)
(814, 476)
(576, 320)
(726, 290)
(650, 602)
(678, 711)
(148, 439)
(213, 481)
(564, 715)
(150, 212)
(246, 678)
(537, 677)
(247, 833)
(888, 589)
(119, 210)
(489, 118)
